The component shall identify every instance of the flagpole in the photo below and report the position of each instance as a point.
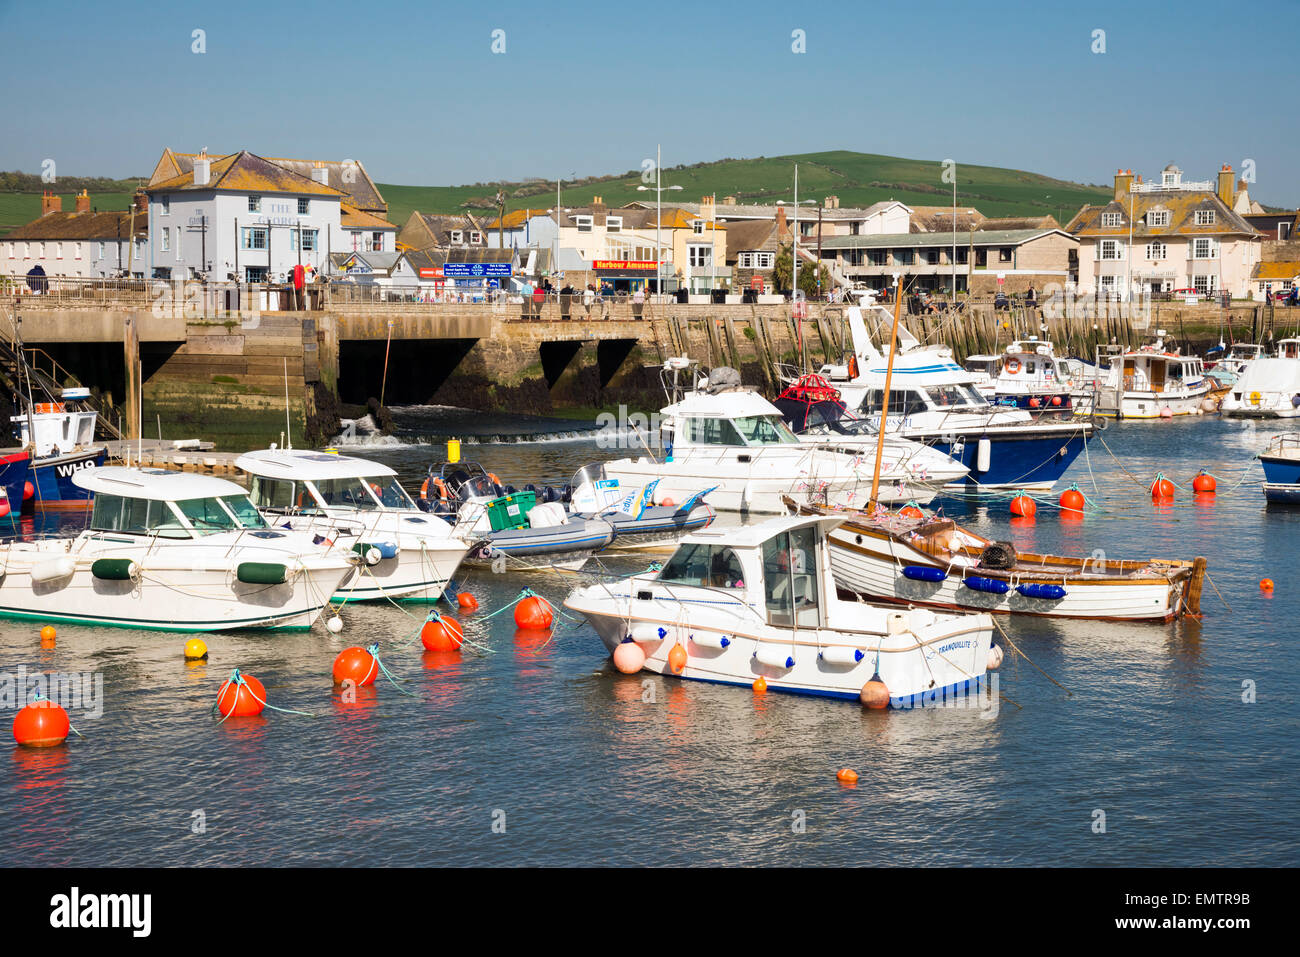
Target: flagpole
(884, 399)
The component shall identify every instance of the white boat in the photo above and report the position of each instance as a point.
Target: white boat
(1026, 375)
(933, 561)
(721, 435)
(1240, 355)
(358, 505)
(174, 552)
(934, 401)
(1151, 383)
(761, 601)
(1268, 387)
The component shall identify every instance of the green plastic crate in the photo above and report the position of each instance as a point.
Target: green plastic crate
(511, 511)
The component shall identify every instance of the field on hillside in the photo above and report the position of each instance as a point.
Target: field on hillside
(19, 209)
(858, 179)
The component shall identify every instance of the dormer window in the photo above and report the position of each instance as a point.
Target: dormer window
(697, 227)
(457, 236)
(1112, 219)
(613, 224)
(475, 238)
(583, 223)
(1205, 217)
(1158, 218)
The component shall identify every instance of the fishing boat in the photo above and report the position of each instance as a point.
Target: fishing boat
(718, 433)
(1027, 375)
(15, 475)
(1269, 387)
(357, 505)
(933, 400)
(1151, 383)
(174, 552)
(530, 527)
(937, 563)
(1281, 462)
(760, 601)
(1238, 356)
(61, 435)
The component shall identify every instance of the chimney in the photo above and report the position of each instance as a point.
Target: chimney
(597, 203)
(202, 170)
(83, 202)
(1226, 181)
(1123, 183)
(781, 228)
(728, 201)
(320, 174)
(831, 202)
(51, 203)
(141, 201)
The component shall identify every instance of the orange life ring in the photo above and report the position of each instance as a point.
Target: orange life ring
(853, 366)
(424, 490)
(1012, 366)
(493, 477)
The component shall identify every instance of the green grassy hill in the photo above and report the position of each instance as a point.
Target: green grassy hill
(18, 209)
(858, 179)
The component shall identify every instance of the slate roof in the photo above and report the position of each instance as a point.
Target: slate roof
(351, 180)
(82, 226)
(757, 234)
(244, 172)
(1181, 205)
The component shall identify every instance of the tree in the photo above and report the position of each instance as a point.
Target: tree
(808, 274)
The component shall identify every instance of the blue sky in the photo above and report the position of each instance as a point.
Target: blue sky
(415, 92)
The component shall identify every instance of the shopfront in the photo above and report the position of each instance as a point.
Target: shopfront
(622, 275)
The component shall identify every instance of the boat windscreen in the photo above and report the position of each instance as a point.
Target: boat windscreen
(764, 430)
(588, 473)
(390, 491)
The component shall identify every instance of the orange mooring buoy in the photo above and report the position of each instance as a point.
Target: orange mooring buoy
(241, 696)
(534, 613)
(1072, 499)
(48, 633)
(1023, 506)
(1162, 488)
(42, 724)
(441, 633)
(1266, 584)
(847, 776)
(677, 658)
(760, 685)
(467, 602)
(356, 665)
(1204, 482)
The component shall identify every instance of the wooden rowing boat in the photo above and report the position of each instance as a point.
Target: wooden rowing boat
(936, 562)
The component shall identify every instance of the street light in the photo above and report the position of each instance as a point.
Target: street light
(658, 189)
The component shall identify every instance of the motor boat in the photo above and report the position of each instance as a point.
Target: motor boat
(814, 411)
(733, 605)
(924, 560)
(933, 400)
(1029, 376)
(357, 505)
(638, 520)
(61, 437)
(1281, 462)
(1268, 387)
(174, 552)
(717, 433)
(1150, 383)
(529, 527)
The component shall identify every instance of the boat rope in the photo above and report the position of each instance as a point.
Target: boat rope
(1217, 592)
(37, 697)
(372, 649)
(1017, 650)
(237, 679)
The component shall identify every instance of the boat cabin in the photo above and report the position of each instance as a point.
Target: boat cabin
(780, 568)
(164, 504)
(56, 429)
(1288, 349)
(954, 396)
(737, 419)
(1159, 372)
(303, 482)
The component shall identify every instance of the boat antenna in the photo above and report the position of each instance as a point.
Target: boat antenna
(884, 399)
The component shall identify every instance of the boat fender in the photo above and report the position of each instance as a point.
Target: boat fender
(711, 641)
(995, 657)
(369, 552)
(837, 655)
(53, 570)
(983, 455)
(992, 586)
(924, 573)
(1046, 592)
(114, 569)
(386, 549)
(648, 632)
(774, 657)
(262, 573)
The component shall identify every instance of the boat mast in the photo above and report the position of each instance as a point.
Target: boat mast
(884, 399)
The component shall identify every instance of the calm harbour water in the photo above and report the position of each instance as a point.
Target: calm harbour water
(543, 734)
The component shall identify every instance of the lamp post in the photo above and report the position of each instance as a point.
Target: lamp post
(658, 189)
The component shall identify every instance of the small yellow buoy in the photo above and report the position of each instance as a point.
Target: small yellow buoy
(760, 685)
(196, 650)
(48, 633)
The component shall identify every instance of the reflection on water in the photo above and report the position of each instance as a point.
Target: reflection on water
(590, 766)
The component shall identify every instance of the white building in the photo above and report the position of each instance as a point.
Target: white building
(83, 244)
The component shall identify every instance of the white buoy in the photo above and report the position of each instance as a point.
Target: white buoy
(995, 657)
(334, 624)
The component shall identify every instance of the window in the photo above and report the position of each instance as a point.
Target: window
(475, 239)
(878, 257)
(255, 204)
(963, 254)
(1283, 230)
(700, 255)
(1204, 248)
(697, 227)
(178, 242)
(744, 260)
(76, 250)
(790, 582)
(346, 493)
(11, 250)
(1205, 217)
(166, 203)
(583, 223)
(930, 256)
(457, 236)
(901, 402)
(613, 224)
(714, 566)
(254, 274)
(138, 516)
(764, 430)
(1157, 251)
(254, 237)
(377, 242)
(1112, 219)
(1202, 284)
(764, 260)
(58, 250)
(167, 238)
(1110, 249)
(356, 240)
(303, 206)
(904, 257)
(309, 239)
(101, 251)
(1005, 254)
(1158, 217)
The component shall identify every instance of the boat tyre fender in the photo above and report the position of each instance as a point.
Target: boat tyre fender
(999, 556)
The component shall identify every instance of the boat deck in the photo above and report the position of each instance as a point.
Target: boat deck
(196, 456)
